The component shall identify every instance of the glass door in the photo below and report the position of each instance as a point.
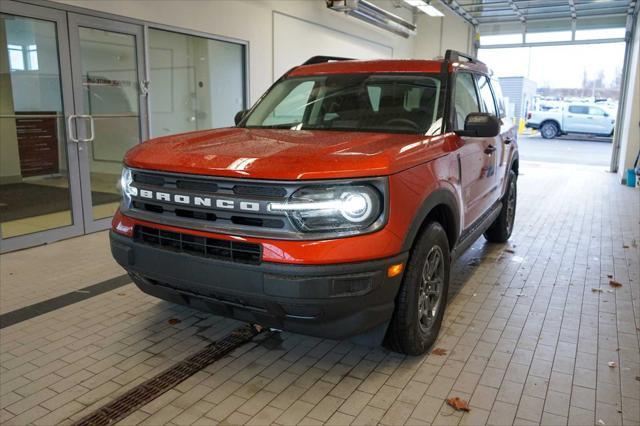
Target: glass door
(39, 180)
(107, 69)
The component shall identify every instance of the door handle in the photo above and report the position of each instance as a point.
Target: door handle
(70, 132)
(72, 136)
(92, 128)
(507, 141)
(489, 150)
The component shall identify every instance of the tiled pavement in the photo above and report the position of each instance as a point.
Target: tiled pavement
(527, 340)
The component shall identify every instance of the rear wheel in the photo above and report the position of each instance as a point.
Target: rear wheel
(422, 298)
(501, 228)
(549, 130)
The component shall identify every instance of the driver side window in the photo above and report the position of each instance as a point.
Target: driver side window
(465, 99)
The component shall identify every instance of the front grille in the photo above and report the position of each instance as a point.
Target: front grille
(213, 248)
(236, 206)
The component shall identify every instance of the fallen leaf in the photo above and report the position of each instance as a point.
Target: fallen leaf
(625, 246)
(609, 276)
(258, 328)
(509, 250)
(439, 351)
(458, 404)
(601, 422)
(122, 294)
(174, 321)
(612, 364)
(597, 290)
(614, 284)
(638, 378)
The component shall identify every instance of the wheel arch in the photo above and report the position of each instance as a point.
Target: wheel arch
(515, 164)
(440, 206)
(551, 120)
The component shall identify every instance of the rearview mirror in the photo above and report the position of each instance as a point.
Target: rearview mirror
(480, 125)
(239, 116)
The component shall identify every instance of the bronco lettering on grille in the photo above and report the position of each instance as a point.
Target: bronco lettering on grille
(199, 201)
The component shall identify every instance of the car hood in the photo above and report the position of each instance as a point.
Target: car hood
(284, 154)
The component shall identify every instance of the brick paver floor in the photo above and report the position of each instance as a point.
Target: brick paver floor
(526, 338)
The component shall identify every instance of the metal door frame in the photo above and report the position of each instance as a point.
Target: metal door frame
(75, 22)
(59, 18)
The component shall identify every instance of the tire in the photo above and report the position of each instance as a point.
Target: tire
(422, 297)
(549, 130)
(501, 228)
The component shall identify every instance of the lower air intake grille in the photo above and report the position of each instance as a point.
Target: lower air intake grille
(232, 251)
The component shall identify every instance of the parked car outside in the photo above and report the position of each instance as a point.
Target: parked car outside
(582, 118)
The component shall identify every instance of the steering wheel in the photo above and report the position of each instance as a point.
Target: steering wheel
(403, 121)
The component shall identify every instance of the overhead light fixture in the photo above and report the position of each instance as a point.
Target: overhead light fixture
(425, 7)
(372, 14)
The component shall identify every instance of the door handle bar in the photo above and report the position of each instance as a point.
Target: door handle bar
(489, 150)
(74, 137)
(92, 128)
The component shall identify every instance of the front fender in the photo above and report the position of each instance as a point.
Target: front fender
(441, 196)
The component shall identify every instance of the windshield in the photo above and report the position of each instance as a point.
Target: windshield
(357, 102)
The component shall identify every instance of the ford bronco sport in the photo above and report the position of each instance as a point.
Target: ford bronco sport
(336, 205)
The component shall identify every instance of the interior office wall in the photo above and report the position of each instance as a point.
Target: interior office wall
(630, 130)
(253, 21)
(436, 35)
(291, 45)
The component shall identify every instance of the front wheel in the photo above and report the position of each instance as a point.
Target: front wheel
(422, 298)
(549, 130)
(501, 228)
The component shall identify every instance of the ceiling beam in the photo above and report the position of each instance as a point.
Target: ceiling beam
(572, 9)
(516, 9)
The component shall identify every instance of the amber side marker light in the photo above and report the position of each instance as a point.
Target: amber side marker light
(394, 270)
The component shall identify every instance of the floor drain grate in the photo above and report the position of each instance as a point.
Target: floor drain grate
(147, 391)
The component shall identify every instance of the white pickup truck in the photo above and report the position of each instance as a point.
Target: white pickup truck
(591, 119)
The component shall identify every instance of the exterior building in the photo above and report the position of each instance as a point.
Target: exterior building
(520, 92)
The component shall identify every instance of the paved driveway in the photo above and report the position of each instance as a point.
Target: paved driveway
(592, 151)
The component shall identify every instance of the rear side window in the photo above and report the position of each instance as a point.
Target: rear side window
(579, 109)
(596, 111)
(486, 96)
(465, 99)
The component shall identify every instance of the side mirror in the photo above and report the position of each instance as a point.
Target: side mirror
(480, 125)
(239, 116)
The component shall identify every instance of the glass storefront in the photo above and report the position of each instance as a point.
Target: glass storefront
(202, 82)
(34, 174)
(74, 100)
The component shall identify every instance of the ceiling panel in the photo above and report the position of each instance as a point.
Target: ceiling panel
(527, 12)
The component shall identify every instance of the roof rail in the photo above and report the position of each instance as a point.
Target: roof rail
(454, 56)
(322, 59)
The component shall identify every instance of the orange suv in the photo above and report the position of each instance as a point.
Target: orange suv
(336, 204)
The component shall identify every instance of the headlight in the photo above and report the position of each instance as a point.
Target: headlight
(333, 208)
(127, 191)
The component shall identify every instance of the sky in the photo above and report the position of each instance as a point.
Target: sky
(556, 66)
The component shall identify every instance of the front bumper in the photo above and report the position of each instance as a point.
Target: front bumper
(329, 301)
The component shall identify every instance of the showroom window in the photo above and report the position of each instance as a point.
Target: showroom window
(196, 83)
